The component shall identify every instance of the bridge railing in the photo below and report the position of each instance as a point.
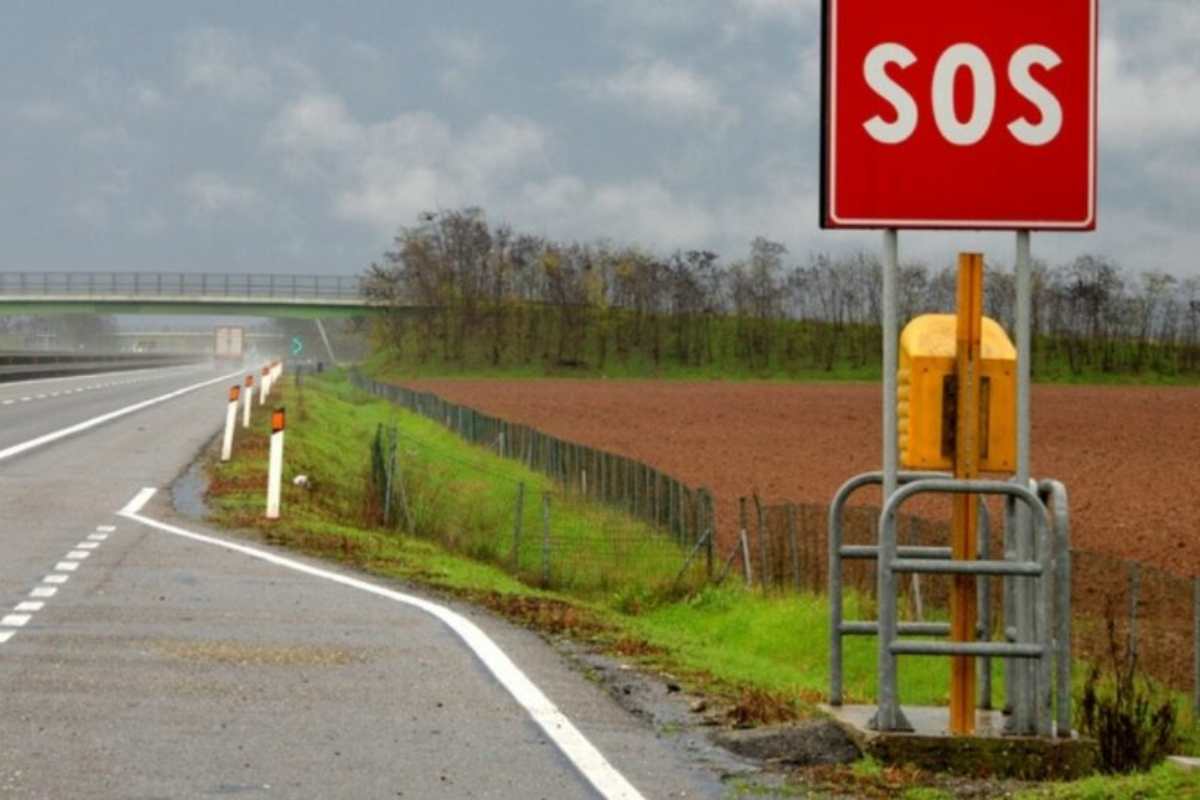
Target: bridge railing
(180, 284)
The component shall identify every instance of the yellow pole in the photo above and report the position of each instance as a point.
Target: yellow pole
(966, 466)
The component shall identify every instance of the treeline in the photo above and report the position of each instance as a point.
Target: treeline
(469, 294)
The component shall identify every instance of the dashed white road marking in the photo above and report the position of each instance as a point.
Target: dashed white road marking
(88, 424)
(590, 762)
(92, 387)
(24, 611)
(106, 528)
(98, 537)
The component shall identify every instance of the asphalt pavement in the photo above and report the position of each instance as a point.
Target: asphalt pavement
(140, 663)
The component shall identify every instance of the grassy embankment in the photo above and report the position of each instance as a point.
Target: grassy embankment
(760, 657)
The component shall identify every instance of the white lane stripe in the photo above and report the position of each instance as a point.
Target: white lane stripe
(158, 372)
(5, 636)
(87, 545)
(56, 579)
(17, 449)
(97, 537)
(9, 402)
(106, 528)
(44, 591)
(590, 762)
(26, 399)
(14, 620)
(30, 605)
(67, 566)
(78, 555)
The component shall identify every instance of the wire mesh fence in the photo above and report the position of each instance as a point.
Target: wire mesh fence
(577, 533)
(1154, 612)
(783, 548)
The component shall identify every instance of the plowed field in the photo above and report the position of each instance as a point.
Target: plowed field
(1130, 456)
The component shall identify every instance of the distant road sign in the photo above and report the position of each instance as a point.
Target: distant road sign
(951, 114)
(297, 345)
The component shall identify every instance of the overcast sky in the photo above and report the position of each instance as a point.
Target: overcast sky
(298, 136)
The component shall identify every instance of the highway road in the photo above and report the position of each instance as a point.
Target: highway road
(146, 656)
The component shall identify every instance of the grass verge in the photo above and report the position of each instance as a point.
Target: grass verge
(760, 658)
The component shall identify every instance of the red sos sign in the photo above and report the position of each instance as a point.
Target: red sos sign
(959, 114)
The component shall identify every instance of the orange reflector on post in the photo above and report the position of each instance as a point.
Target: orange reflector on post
(249, 380)
(266, 370)
(277, 420)
(234, 392)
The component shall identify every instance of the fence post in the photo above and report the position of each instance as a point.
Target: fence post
(794, 544)
(516, 549)
(389, 471)
(918, 599)
(764, 572)
(710, 519)
(545, 539)
(746, 569)
(1196, 647)
(1135, 585)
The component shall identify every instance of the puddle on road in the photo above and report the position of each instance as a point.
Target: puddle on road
(188, 490)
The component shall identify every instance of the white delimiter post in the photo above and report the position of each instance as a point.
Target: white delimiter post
(230, 421)
(275, 468)
(265, 389)
(247, 401)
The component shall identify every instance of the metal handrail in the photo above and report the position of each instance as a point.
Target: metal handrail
(889, 716)
(182, 284)
(837, 552)
(1056, 493)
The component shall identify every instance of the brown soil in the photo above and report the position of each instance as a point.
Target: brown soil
(1128, 455)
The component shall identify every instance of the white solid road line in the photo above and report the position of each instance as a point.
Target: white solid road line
(79, 427)
(590, 762)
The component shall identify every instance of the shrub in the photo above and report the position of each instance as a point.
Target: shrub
(1134, 724)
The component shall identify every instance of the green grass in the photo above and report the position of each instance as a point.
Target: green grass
(1164, 782)
(616, 569)
(724, 641)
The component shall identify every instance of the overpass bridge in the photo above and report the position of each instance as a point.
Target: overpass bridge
(267, 295)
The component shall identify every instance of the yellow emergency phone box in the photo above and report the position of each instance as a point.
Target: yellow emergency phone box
(927, 389)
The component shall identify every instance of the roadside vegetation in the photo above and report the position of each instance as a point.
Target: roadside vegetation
(759, 658)
(473, 298)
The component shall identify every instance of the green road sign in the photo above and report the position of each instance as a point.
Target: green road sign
(297, 345)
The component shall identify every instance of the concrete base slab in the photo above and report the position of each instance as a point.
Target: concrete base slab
(987, 753)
